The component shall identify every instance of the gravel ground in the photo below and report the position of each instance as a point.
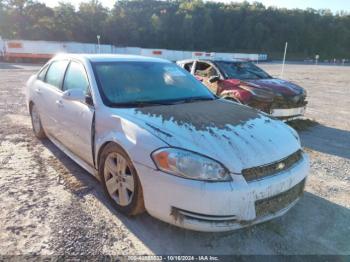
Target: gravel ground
(52, 206)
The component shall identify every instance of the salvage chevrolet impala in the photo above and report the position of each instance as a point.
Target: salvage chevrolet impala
(160, 141)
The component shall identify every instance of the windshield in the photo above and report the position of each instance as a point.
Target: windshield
(242, 70)
(136, 83)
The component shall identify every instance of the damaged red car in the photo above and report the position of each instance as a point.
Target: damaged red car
(246, 83)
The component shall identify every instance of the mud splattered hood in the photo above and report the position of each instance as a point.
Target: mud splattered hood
(236, 135)
(277, 86)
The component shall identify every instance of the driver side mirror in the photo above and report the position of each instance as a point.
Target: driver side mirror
(74, 95)
(213, 79)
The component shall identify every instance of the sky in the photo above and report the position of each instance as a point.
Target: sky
(333, 5)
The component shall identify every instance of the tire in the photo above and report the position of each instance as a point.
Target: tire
(36, 123)
(117, 171)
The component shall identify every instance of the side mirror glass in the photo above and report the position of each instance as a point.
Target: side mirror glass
(213, 79)
(74, 95)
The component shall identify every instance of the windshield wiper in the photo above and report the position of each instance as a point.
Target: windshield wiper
(140, 104)
(193, 99)
(163, 102)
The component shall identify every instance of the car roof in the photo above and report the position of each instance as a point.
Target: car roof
(109, 58)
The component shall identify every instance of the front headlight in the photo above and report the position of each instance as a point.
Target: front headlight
(189, 165)
(304, 93)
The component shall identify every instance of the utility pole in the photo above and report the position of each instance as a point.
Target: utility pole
(98, 43)
(284, 58)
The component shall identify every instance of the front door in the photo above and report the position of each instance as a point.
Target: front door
(76, 116)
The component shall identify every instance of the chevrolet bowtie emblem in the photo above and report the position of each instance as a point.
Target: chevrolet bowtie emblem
(280, 166)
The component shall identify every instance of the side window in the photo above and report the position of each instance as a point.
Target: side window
(188, 66)
(42, 73)
(205, 70)
(55, 73)
(76, 77)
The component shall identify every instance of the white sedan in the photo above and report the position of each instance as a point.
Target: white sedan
(160, 141)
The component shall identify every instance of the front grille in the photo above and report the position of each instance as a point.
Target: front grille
(256, 173)
(262, 106)
(281, 102)
(180, 215)
(278, 202)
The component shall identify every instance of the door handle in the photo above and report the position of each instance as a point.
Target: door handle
(37, 90)
(59, 103)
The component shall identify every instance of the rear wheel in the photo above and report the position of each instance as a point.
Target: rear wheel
(120, 180)
(36, 123)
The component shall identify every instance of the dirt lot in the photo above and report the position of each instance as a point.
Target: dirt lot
(49, 205)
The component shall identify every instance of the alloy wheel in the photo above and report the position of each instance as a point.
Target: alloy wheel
(119, 179)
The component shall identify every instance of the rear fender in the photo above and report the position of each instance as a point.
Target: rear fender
(28, 92)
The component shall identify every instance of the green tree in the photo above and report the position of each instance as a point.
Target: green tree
(65, 22)
(92, 18)
(183, 24)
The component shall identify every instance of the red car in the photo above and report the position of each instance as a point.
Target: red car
(244, 82)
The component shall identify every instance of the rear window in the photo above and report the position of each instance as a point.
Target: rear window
(55, 73)
(42, 73)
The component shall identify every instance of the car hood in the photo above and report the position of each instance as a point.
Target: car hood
(236, 135)
(277, 86)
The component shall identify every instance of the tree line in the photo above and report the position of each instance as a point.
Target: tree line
(183, 25)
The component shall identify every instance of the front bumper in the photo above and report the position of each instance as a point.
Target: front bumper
(220, 206)
(288, 113)
(285, 111)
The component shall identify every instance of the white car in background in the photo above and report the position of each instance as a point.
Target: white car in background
(160, 141)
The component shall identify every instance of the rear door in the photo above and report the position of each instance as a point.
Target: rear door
(76, 117)
(48, 88)
(36, 89)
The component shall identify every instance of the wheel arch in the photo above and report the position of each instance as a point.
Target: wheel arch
(30, 105)
(104, 145)
(137, 204)
(231, 98)
(99, 152)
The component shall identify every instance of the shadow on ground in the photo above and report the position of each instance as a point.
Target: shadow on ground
(327, 140)
(8, 66)
(22, 66)
(313, 226)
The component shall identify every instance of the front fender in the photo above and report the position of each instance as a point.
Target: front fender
(230, 88)
(137, 142)
(240, 95)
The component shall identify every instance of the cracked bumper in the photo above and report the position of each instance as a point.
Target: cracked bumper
(222, 206)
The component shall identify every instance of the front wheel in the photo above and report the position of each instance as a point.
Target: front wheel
(120, 180)
(36, 123)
